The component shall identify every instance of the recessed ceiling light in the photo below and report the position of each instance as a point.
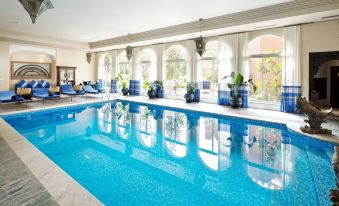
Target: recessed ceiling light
(17, 22)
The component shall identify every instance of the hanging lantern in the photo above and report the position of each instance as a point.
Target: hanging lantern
(129, 52)
(89, 57)
(36, 7)
(129, 49)
(200, 44)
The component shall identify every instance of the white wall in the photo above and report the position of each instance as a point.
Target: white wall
(84, 70)
(316, 37)
(64, 57)
(4, 66)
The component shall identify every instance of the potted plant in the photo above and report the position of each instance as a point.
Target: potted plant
(151, 89)
(189, 96)
(237, 82)
(159, 89)
(123, 84)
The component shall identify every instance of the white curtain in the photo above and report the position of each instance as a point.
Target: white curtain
(134, 64)
(228, 54)
(291, 64)
(243, 65)
(101, 65)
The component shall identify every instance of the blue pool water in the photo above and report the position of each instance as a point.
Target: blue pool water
(131, 154)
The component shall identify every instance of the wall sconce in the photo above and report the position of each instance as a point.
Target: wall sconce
(89, 57)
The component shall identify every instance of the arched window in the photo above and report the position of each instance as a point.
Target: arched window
(208, 72)
(148, 66)
(175, 133)
(176, 72)
(266, 66)
(124, 67)
(108, 70)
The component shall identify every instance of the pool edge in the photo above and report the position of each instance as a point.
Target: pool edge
(61, 186)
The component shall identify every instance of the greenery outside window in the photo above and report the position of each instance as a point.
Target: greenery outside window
(176, 72)
(208, 73)
(266, 67)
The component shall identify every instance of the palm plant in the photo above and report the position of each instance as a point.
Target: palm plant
(237, 81)
(123, 79)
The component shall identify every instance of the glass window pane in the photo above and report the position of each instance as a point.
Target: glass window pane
(266, 70)
(176, 72)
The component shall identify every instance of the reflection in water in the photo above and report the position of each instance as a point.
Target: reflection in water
(269, 159)
(175, 134)
(214, 144)
(214, 157)
(147, 128)
(123, 119)
(105, 119)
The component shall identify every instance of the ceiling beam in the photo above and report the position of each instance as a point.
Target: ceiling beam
(278, 11)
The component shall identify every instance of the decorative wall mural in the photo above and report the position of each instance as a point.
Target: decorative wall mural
(30, 70)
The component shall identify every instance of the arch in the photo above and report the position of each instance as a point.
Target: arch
(124, 66)
(176, 72)
(261, 44)
(23, 48)
(33, 70)
(265, 62)
(208, 72)
(105, 68)
(146, 66)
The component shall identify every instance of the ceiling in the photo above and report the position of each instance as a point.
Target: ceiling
(94, 20)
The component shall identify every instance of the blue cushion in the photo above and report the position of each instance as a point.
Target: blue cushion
(6, 96)
(43, 84)
(33, 84)
(22, 84)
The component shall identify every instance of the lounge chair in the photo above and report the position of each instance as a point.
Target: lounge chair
(67, 89)
(89, 90)
(43, 93)
(11, 97)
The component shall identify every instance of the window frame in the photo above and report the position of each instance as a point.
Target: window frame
(275, 104)
(172, 94)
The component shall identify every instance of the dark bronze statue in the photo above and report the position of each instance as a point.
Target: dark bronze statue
(315, 115)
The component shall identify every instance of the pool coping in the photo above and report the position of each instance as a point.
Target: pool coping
(67, 191)
(61, 186)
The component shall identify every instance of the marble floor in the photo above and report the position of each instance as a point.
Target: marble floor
(31, 172)
(18, 186)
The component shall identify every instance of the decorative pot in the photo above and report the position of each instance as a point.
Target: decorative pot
(189, 98)
(125, 91)
(159, 92)
(236, 102)
(152, 94)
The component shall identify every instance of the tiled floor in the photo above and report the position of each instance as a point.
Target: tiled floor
(38, 164)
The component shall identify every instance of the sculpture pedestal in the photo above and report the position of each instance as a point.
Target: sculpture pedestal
(309, 130)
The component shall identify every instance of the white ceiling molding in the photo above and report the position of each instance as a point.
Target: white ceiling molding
(268, 13)
(24, 48)
(23, 38)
